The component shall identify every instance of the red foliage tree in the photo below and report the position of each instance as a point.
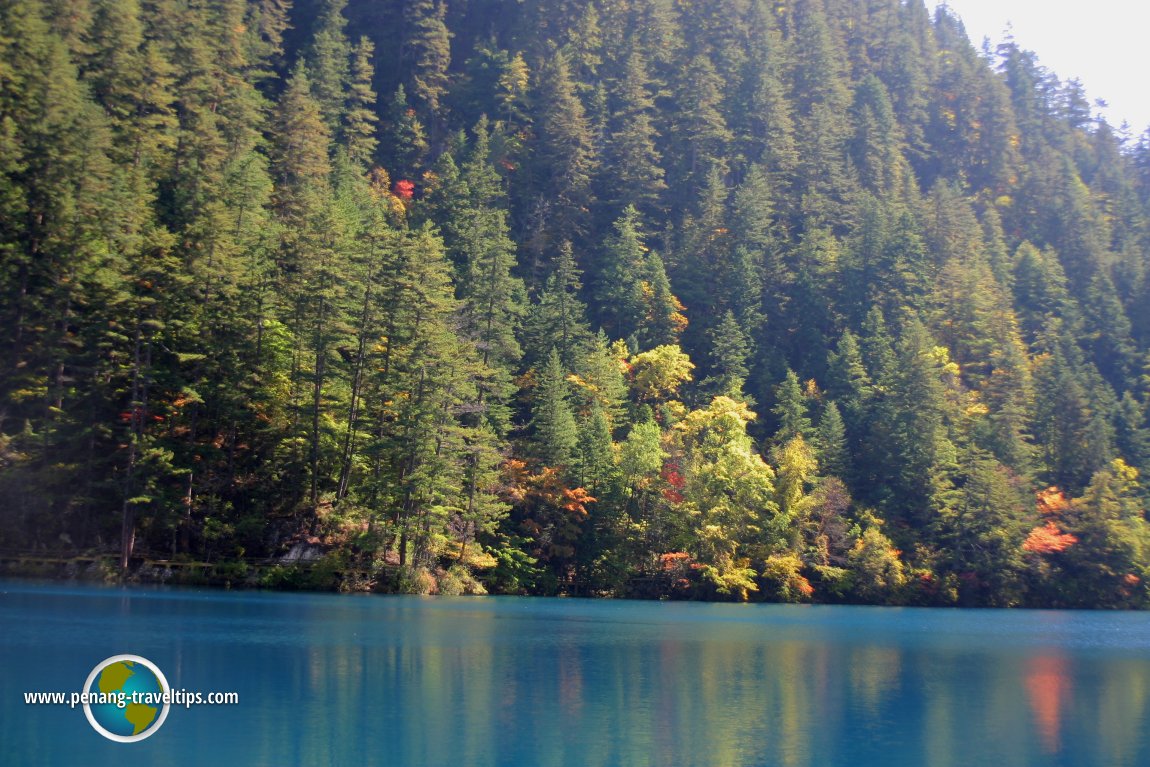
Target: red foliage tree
(403, 189)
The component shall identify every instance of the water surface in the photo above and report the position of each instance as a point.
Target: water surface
(410, 681)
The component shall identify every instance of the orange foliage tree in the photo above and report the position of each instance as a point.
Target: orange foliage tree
(551, 514)
(1048, 539)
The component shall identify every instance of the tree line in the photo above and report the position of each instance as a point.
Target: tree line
(741, 299)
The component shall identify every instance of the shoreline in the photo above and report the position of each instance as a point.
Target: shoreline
(318, 576)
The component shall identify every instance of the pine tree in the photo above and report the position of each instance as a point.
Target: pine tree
(1108, 330)
(1071, 445)
(1111, 540)
(405, 147)
(983, 534)
(300, 166)
(791, 410)
(359, 123)
(596, 457)
(849, 381)
(768, 130)
(622, 302)
(599, 375)
(329, 63)
(831, 443)
(426, 53)
(558, 319)
(556, 435)
(631, 159)
(663, 319)
(923, 462)
(730, 354)
(875, 146)
(1133, 437)
(754, 269)
(564, 153)
(493, 298)
(427, 458)
(701, 137)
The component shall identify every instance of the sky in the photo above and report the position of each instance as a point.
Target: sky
(1105, 44)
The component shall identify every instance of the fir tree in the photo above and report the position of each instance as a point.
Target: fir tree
(791, 410)
(831, 443)
(328, 62)
(630, 155)
(730, 353)
(359, 126)
(558, 319)
(426, 51)
(556, 434)
(564, 152)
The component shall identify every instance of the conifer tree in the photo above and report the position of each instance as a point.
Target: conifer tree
(631, 159)
(1111, 540)
(493, 298)
(426, 52)
(622, 302)
(596, 456)
(565, 156)
(663, 319)
(406, 146)
(599, 370)
(360, 119)
(791, 410)
(701, 137)
(329, 63)
(559, 318)
(301, 166)
(730, 354)
(767, 114)
(983, 533)
(556, 434)
(831, 443)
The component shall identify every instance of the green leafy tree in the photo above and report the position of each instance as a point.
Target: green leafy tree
(728, 493)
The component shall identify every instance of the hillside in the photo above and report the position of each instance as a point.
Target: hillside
(796, 301)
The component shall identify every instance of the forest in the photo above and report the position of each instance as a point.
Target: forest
(785, 300)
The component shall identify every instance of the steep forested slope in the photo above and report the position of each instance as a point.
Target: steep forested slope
(789, 300)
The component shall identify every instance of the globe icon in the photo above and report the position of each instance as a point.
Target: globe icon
(127, 692)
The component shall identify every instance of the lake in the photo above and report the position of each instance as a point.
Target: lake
(413, 681)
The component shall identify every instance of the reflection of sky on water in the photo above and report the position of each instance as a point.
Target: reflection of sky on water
(410, 681)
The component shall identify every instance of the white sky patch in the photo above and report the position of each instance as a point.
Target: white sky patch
(1102, 43)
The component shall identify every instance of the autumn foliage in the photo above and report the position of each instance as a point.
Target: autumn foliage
(1051, 502)
(1048, 539)
(404, 189)
(554, 512)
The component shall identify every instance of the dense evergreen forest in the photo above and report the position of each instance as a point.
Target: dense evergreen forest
(770, 299)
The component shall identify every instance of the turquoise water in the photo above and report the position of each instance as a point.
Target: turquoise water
(409, 681)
